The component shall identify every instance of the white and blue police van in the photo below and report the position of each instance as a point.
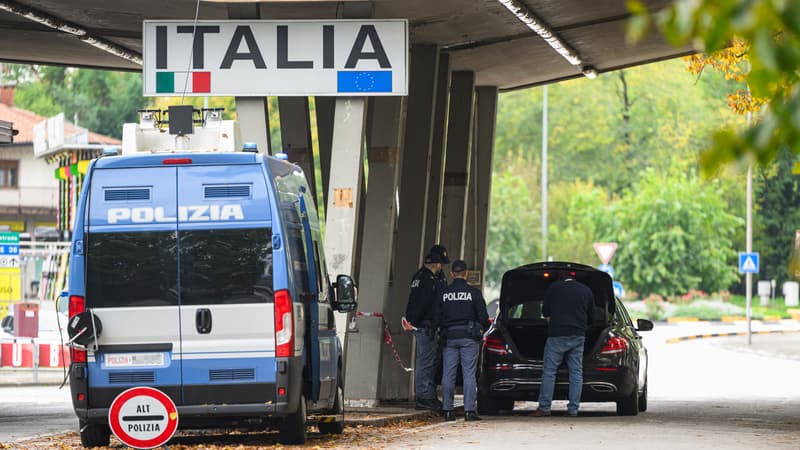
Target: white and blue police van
(200, 272)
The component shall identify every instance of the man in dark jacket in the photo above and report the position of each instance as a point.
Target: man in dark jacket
(569, 310)
(421, 315)
(462, 318)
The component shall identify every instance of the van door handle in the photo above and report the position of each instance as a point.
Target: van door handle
(203, 320)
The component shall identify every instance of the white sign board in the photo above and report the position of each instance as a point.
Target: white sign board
(275, 58)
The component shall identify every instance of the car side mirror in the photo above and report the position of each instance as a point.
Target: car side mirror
(8, 324)
(643, 325)
(346, 298)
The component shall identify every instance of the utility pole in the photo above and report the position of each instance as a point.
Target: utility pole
(748, 277)
(544, 176)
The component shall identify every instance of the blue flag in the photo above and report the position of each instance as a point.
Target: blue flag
(365, 81)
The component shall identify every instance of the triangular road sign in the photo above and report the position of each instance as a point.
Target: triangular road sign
(605, 250)
(749, 265)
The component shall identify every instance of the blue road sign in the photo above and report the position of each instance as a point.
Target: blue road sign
(9, 249)
(748, 262)
(607, 269)
(619, 291)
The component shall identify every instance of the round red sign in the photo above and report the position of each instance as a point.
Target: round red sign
(143, 417)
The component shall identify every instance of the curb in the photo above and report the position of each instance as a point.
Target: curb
(738, 333)
(388, 420)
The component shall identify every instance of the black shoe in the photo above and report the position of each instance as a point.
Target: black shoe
(471, 415)
(449, 416)
(427, 404)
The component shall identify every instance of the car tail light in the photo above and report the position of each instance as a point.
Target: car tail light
(614, 346)
(494, 343)
(177, 161)
(284, 324)
(76, 306)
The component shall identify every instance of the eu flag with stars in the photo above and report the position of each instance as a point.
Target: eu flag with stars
(365, 81)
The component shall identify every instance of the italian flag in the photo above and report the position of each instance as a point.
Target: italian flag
(174, 82)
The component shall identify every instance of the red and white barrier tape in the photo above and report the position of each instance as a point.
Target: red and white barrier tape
(387, 337)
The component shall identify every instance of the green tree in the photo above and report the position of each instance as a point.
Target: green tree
(575, 222)
(777, 216)
(772, 30)
(674, 234)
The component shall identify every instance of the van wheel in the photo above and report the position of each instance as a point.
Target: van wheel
(94, 434)
(292, 428)
(629, 406)
(491, 406)
(338, 409)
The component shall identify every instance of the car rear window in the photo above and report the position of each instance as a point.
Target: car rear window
(135, 269)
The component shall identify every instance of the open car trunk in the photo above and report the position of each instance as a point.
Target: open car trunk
(522, 297)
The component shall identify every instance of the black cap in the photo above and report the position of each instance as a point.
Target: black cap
(459, 265)
(432, 258)
(442, 252)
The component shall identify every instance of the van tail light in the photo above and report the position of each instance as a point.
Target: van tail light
(494, 343)
(76, 306)
(615, 345)
(284, 324)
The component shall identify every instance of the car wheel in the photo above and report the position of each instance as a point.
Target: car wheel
(338, 409)
(643, 399)
(629, 406)
(94, 434)
(491, 406)
(292, 428)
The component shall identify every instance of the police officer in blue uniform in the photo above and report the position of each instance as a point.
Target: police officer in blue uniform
(421, 314)
(462, 318)
(440, 276)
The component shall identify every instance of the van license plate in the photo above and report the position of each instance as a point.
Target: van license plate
(134, 359)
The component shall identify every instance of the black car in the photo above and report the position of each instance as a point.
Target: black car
(614, 360)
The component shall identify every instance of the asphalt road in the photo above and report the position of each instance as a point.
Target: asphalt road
(715, 393)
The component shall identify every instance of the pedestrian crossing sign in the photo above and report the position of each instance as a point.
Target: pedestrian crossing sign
(748, 262)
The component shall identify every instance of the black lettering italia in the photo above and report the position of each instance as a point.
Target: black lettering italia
(198, 47)
(357, 52)
(327, 46)
(161, 47)
(283, 52)
(233, 53)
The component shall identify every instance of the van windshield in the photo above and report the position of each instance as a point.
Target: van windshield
(134, 269)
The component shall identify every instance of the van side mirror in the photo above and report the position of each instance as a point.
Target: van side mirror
(643, 325)
(346, 299)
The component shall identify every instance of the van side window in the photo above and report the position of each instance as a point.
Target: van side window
(322, 277)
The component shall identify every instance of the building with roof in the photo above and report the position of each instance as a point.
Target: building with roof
(40, 171)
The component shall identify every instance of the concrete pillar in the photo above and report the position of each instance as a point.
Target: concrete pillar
(415, 163)
(480, 185)
(456, 172)
(434, 206)
(296, 137)
(344, 193)
(251, 112)
(368, 358)
(324, 107)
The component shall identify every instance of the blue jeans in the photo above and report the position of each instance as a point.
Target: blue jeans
(555, 349)
(465, 350)
(425, 365)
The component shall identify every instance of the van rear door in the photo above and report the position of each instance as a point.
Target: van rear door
(225, 261)
(131, 281)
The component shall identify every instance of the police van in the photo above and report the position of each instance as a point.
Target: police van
(200, 271)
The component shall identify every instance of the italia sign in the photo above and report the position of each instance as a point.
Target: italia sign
(275, 58)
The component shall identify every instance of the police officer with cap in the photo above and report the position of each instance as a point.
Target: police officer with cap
(442, 252)
(462, 318)
(421, 314)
